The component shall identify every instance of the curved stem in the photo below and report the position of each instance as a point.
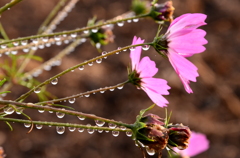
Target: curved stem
(62, 124)
(82, 94)
(22, 97)
(9, 5)
(74, 31)
(68, 112)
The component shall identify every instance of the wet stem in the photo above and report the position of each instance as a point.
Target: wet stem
(24, 96)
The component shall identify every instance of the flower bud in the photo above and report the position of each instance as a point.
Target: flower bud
(163, 12)
(179, 136)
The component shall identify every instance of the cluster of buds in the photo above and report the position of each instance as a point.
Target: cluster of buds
(156, 135)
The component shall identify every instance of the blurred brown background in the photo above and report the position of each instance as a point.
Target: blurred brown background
(213, 108)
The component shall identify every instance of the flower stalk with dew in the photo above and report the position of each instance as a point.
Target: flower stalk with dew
(181, 40)
(8, 6)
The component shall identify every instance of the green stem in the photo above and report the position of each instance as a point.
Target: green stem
(82, 94)
(51, 15)
(9, 5)
(68, 112)
(74, 31)
(62, 124)
(22, 97)
(2, 31)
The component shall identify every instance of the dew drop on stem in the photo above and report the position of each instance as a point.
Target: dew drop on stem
(129, 133)
(111, 89)
(86, 31)
(120, 24)
(90, 130)
(112, 126)
(129, 21)
(81, 118)
(99, 60)
(123, 128)
(94, 30)
(72, 100)
(37, 90)
(90, 64)
(104, 53)
(8, 110)
(100, 130)
(24, 42)
(87, 95)
(39, 126)
(146, 47)
(99, 123)
(80, 129)
(60, 115)
(120, 87)
(135, 20)
(115, 133)
(3, 46)
(15, 43)
(25, 50)
(150, 152)
(54, 81)
(81, 67)
(27, 125)
(73, 35)
(132, 48)
(71, 129)
(60, 129)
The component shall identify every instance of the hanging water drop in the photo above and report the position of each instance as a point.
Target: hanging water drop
(60, 129)
(15, 43)
(54, 81)
(50, 112)
(87, 95)
(80, 129)
(66, 41)
(60, 115)
(14, 52)
(99, 60)
(102, 91)
(115, 133)
(71, 129)
(104, 53)
(41, 110)
(98, 45)
(74, 35)
(45, 39)
(129, 21)
(150, 152)
(3, 46)
(35, 41)
(86, 31)
(72, 100)
(27, 125)
(120, 24)
(132, 48)
(90, 64)
(83, 40)
(111, 89)
(90, 131)
(39, 126)
(24, 42)
(100, 130)
(123, 127)
(41, 46)
(8, 110)
(94, 30)
(99, 123)
(106, 131)
(34, 47)
(135, 20)
(25, 50)
(37, 90)
(120, 87)
(48, 44)
(129, 133)
(58, 43)
(112, 126)
(81, 67)
(146, 47)
(81, 118)
(57, 38)
(47, 67)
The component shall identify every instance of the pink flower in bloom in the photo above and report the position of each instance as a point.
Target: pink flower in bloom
(184, 40)
(142, 76)
(198, 143)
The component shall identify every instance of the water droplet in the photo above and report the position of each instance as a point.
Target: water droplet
(112, 89)
(80, 129)
(37, 90)
(102, 91)
(35, 41)
(124, 50)
(8, 110)
(25, 50)
(86, 31)
(7, 53)
(120, 87)
(94, 30)
(60, 115)
(57, 38)
(66, 41)
(100, 130)
(14, 52)
(15, 43)
(41, 46)
(115, 133)
(24, 42)
(99, 60)
(3, 46)
(99, 123)
(132, 48)
(74, 35)
(47, 67)
(83, 40)
(58, 43)
(27, 125)
(45, 39)
(129, 133)
(39, 126)
(81, 67)
(150, 152)
(54, 81)
(90, 64)
(120, 24)
(87, 95)
(106, 131)
(135, 20)
(146, 47)
(71, 129)
(98, 45)
(72, 100)
(34, 47)
(60, 129)
(90, 131)
(81, 118)
(104, 53)
(123, 127)
(129, 21)
(50, 112)
(48, 44)
(41, 111)
(72, 70)
(112, 126)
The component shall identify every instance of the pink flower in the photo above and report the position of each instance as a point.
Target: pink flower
(198, 143)
(142, 76)
(184, 40)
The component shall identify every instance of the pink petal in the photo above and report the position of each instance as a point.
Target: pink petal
(198, 143)
(147, 68)
(186, 22)
(156, 84)
(189, 44)
(159, 100)
(136, 53)
(184, 68)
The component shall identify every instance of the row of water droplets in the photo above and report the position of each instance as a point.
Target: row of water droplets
(121, 23)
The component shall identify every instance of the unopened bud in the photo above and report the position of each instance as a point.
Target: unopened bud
(165, 11)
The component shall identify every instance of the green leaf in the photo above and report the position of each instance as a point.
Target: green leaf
(5, 92)
(3, 81)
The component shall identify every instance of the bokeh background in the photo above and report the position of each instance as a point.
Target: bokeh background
(213, 108)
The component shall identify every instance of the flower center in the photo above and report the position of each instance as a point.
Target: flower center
(133, 77)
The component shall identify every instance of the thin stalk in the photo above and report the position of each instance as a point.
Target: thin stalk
(62, 124)
(82, 94)
(22, 97)
(9, 5)
(2, 31)
(74, 31)
(68, 112)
